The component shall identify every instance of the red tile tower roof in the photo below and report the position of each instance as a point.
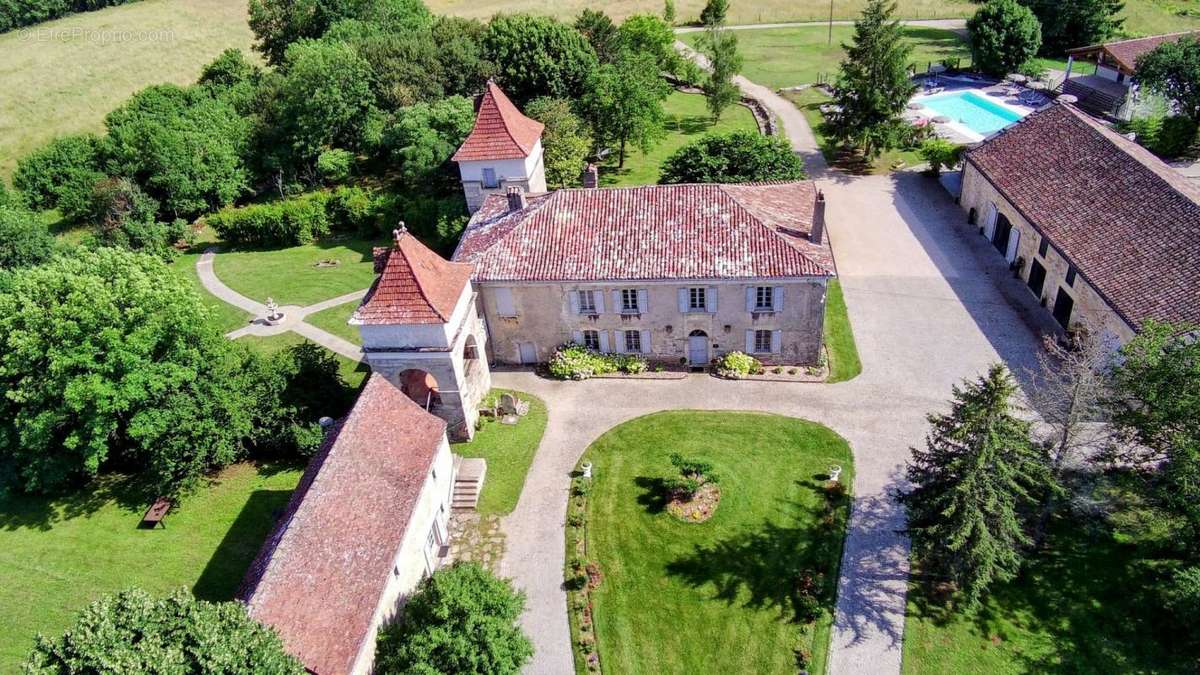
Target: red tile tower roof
(649, 232)
(500, 131)
(319, 576)
(415, 285)
(1128, 222)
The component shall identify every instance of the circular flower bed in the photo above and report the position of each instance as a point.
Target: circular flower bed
(699, 508)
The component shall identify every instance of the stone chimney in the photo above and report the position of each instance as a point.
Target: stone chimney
(817, 236)
(516, 198)
(591, 176)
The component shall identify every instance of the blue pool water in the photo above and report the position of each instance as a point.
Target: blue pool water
(972, 111)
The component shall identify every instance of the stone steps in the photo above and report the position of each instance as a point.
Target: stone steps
(468, 482)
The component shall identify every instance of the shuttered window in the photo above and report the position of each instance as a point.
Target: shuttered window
(764, 299)
(591, 339)
(762, 342)
(587, 302)
(633, 341)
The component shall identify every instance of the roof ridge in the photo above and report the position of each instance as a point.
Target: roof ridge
(507, 123)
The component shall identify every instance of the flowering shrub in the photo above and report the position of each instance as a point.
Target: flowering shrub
(576, 362)
(737, 364)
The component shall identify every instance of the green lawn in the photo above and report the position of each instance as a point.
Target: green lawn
(334, 320)
(1081, 607)
(786, 57)
(718, 596)
(509, 451)
(688, 120)
(292, 276)
(57, 555)
(844, 363)
(809, 102)
(64, 76)
(354, 373)
(224, 315)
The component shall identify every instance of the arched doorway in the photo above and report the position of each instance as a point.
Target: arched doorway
(697, 348)
(421, 387)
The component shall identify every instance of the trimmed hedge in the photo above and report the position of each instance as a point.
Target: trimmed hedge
(293, 221)
(20, 13)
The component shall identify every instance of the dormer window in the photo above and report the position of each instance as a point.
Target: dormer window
(489, 178)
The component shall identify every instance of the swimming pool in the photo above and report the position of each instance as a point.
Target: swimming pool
(972, 111)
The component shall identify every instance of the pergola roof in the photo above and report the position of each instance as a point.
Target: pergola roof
(1123, 54)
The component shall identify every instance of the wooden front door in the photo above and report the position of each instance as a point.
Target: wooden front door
(1063, 305)
(1037, 278)
(528, 353)
(698, 349)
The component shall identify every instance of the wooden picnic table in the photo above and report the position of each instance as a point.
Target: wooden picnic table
(157, 512)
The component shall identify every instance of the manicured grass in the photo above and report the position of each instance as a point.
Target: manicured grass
(354, 373)
(224, 315)
(763, 11)
(786, 57)
(844, 363)
(291, 275)
(718, 596)
(688, 120)
(1083, 606)
(57, 555)
(64, 76)
(334, 320)
(509, 451)
(809, 102)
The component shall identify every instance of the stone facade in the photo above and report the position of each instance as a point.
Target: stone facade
(982, 199)
(542, 316)
(529, 174)
(453, 353)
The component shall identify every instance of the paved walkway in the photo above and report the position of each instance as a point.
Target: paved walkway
(293, 315)
(925, 315)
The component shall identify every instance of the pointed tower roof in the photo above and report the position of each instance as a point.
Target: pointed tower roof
(500, 131)
(415, 285)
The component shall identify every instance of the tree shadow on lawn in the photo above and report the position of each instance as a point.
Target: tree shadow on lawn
(223, 573)
(1083, 604)
(31, 511)
(769, 568)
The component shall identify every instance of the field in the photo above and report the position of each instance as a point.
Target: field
(763, 11)
(786, 57)
(64, 76)
(57, 555)
(718, 596)
(688, 120)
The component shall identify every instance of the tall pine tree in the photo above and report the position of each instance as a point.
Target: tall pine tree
(974, 483)
(873, 86)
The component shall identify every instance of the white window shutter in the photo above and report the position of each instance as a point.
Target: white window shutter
(504, 302)
(616, 298)
(749, 298)
(643, 300)
(710, 299)
(776, 342)
(619, 341)
(1014, 238)
(603, 341)
(577, 337)
(749, 342)
(574, 297)
(683, 300)
(645, 342)
(777, 299)
(598, 296)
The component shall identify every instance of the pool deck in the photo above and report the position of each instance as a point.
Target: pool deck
(1003, 94)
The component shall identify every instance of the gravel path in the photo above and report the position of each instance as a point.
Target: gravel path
(925, 312)
(293, 315)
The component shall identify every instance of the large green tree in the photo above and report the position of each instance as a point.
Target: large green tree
(134, 632)
(61, 174)
(737, 157)
(538, 56)
(600, 32)
(873, 85)
(648, 34)
(623, 103)
(24, 238)
(1005, 35)
(1172, 70)
(422, 138)
(972, 485)
(1075, 23)
(721, 48)
(109, 360)
(566, 141)
(279, 23)
(461, 620)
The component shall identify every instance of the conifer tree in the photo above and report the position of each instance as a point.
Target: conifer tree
(873, 86)
(974, 485)
(721, 48)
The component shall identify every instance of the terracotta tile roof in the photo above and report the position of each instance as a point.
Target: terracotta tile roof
(1126, 52)
(321, 572)
(649, 232)
(1129, 223)
(415, 285)
(500, 131)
